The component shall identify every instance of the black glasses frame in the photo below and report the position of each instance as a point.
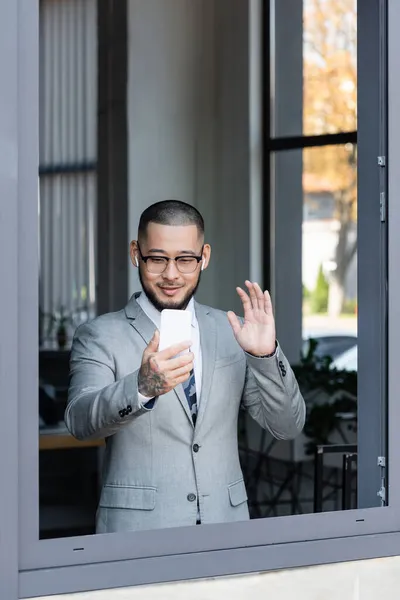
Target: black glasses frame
(167, 259)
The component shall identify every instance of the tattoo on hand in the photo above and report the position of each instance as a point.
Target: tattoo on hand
(151, 383)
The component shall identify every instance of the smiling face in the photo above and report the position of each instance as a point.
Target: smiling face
(170, 289)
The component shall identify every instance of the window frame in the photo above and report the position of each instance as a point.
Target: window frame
(10, 110)
(231, 548)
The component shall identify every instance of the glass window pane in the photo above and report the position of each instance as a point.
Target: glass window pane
(315, 211)
(314, 196)
(313, 67)
(329, 245)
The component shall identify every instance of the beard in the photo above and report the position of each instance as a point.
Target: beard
(171, 305)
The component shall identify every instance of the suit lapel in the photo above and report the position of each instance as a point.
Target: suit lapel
(146, 328)
(208, 343)
(183, 400)
(139, 320)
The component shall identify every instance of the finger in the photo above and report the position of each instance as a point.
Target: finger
(253, 297)
(268, 304)
(181, 379)
(178, 362)
(260, 296)
(181, 372)
(172, 351)
(154, 342)
(245, 299)
(172, 383)
(235, 323)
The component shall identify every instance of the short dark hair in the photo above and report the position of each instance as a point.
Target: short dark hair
(170, 212)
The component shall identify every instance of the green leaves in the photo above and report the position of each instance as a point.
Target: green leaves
(338, 390)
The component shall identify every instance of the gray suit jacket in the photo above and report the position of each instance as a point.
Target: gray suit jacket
(157, 466)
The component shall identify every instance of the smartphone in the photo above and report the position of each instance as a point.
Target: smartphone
(176, 327)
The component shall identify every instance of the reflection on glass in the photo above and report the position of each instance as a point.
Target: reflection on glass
(314, 67)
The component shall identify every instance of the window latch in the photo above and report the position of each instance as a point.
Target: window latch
(382, 491)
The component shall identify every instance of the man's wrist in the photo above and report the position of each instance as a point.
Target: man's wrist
(145, 402)
(143, 399)
(270, 355)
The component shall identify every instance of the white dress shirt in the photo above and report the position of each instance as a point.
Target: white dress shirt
(154, 315)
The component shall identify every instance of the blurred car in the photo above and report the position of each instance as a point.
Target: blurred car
(347, 361)
(330, 343)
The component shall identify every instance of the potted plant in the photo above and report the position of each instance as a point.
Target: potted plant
(329, 394)
(59, 321)
(331, 409)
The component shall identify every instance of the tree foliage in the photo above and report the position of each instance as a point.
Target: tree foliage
(319, 297)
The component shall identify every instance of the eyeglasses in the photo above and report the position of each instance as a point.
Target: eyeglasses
(158, 264)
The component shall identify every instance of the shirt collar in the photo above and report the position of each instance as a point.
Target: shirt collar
(154, 315)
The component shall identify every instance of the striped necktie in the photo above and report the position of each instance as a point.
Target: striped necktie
(189, 387)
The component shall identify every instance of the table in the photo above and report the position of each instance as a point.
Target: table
(58, 438)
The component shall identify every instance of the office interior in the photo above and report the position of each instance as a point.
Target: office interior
(195, 101)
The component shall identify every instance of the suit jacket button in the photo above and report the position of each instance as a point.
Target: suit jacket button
(122, 413)
(196, 448)
(191, 497)
(129, 409)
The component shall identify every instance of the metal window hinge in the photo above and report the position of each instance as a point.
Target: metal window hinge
(382, 494)
(382, 161)
(382, 206)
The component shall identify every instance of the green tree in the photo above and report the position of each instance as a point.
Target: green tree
(320, 295)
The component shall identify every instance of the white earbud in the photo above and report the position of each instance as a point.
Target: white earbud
(136, 261)
(203, 264)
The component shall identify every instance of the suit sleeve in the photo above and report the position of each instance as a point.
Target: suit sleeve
(272, 395)
(98, 405)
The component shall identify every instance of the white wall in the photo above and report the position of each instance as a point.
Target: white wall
(361, 580)
(188, 114)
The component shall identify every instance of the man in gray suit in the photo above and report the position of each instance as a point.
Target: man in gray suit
(169, 417)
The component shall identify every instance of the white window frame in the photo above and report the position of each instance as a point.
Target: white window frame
(29, 567)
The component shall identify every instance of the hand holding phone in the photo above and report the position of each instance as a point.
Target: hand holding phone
(167, 362)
